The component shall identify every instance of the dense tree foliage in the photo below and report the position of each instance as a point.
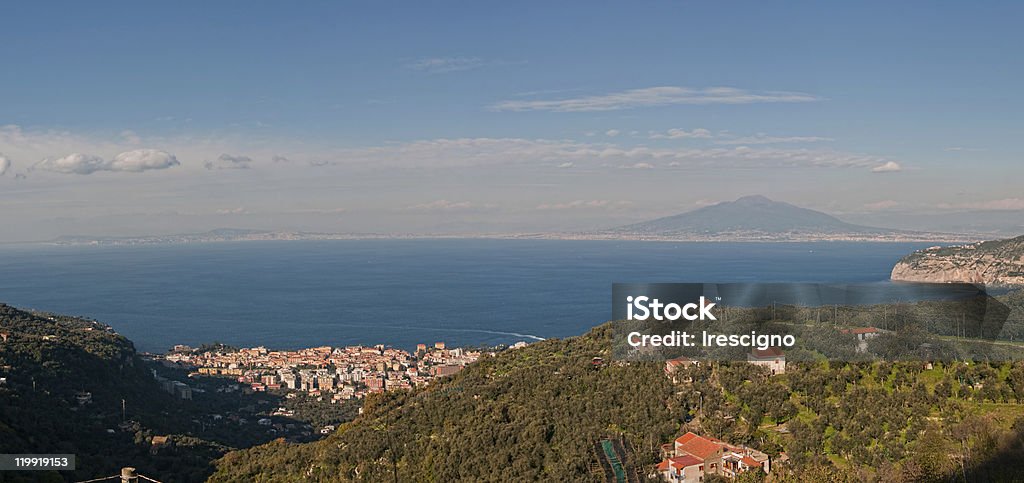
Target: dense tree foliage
(48, 362)
(535, 413)
(64, 382)
(529, 414)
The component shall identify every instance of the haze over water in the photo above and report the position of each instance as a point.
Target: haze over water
(394, 292)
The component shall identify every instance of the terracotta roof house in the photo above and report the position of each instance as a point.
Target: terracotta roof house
(772, 358)
(673, 365)
(696, 456)
(701, 447)
(862, 334)
(682, 469)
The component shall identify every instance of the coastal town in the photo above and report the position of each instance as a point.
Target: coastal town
(340, 373)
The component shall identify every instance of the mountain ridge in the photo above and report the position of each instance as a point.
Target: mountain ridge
(758, 218)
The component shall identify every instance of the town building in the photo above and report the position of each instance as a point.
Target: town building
(352, 371)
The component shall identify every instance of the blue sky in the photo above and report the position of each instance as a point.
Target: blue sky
(122, 117)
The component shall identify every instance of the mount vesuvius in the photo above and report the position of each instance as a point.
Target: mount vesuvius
(757, 218)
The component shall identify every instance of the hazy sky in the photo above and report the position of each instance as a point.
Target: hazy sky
(146, 118)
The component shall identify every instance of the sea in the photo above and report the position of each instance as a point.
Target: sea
(396, 292)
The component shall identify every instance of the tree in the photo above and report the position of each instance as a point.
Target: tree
(932, 454)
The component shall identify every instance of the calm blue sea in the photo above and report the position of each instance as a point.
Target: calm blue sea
(394, 292)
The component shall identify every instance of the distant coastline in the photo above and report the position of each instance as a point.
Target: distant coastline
(748, 219)
(233, 235)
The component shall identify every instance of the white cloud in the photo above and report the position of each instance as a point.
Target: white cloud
(135, 161)
(74, 163)
(638, 166)
(761, 138)
(881, 205)
(5, 164)
(612, 133)
(887, 167)
(725, 138)
(229, 161)
(321, 211)
(445, 205)
(236, 160)
(681, 134)
(440, 65)
(654, 96)
(277, 158)
(468, 152)
(142, 160)
(1005, 204)
(584, 204)
(232, 211)
(37, 144)
(439, 153)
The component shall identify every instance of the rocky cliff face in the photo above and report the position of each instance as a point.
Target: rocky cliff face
(997, 263)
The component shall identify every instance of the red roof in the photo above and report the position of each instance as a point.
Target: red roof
(680, 462)
(865, 330)
(690, 435)
(662, 466)
(678, 361)
(747, 460)
(767, 353)
(686, 438)
(700, 447)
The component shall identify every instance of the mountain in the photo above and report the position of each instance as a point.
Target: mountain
(74, 386)
(996, 263)
(759, 218)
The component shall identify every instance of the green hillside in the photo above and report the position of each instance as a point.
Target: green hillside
(530, 414)
(64, 382)
(539, 414)
(546, 412)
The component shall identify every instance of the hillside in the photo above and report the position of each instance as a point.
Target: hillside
(758, 218)
(535, 414)
(995, 263)
(73, 385)
(530, 414)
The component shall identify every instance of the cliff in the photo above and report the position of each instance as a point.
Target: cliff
(996, 263)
